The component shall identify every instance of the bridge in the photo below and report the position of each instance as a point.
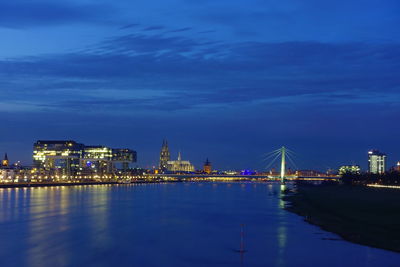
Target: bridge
(283, 153)
(186, 177)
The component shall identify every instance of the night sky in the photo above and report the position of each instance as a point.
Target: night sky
(227, 80)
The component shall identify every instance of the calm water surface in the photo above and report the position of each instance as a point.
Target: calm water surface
(181, 224)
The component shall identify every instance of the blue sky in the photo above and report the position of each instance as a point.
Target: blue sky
(228, 80)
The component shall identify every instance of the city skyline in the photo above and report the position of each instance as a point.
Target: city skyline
(199, 133)
(165, 156)
(215, 78)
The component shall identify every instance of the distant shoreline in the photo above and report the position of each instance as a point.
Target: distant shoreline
(358, 214)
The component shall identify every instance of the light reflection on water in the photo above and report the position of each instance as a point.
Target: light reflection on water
(281, 229)
(181, 224)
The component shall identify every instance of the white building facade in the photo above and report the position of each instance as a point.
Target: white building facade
(376, 162)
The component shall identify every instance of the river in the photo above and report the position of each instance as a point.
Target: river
(174, 224)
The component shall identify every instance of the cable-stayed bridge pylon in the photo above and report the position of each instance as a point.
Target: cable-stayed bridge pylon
(284, 154)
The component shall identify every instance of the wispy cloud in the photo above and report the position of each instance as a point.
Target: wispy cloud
(289, 69)
(27, 14)
(129, 26)
(153, 28)
(181, 29)
(200, 73)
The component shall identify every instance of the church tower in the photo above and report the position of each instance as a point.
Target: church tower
(207, 167)
(164, 156)
(5, 161)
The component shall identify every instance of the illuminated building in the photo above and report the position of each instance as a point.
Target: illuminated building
(97, 153)
(7, 174)
(61, 156)
(164, 156)
(207, 168)
(103, 159)
(247, 172)
(68, 157)
(97, 158)
(397, 167)
(5, 161)
(230, 172)
(13, 172)
(352, 169)
(309, 173)
(180, 165)
(376, 162)
(123, 156)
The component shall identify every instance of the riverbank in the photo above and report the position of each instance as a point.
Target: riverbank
(363, 215)
(49, 184)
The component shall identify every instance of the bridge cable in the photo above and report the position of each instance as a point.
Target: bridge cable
(272, 162)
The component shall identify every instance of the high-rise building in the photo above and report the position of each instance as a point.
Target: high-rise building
(103, 159)
(207, 168)
(376, 162)
(97, 159)
(67, 157)
(62, 156)
(164, 156)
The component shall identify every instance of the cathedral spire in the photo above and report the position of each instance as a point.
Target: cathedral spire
(165, 143)
(164, 155)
